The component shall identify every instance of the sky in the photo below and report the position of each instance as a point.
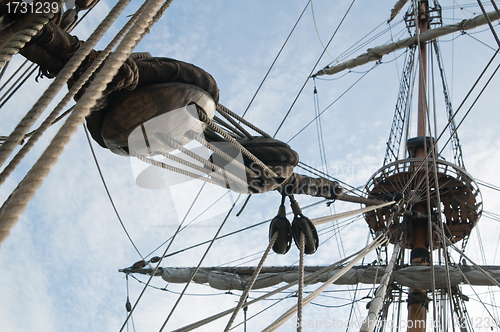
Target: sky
(61, 260)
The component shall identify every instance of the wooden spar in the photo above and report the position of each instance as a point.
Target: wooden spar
(249, 270)
(376, 53)
(417, 308)
(235, 277)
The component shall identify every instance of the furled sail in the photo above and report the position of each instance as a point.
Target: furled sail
(376, 53)
(410, 276)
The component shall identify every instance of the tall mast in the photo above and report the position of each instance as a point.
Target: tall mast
(417, 298)
(459, 199)
(423, 26)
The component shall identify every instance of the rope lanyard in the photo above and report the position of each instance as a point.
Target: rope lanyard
(244, 295)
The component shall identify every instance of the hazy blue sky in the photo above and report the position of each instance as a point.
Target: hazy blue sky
(61, 260)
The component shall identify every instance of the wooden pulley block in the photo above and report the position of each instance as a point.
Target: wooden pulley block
(69, 19)
(302, 224)
(277, 155)
(284, 241)
(135, 121)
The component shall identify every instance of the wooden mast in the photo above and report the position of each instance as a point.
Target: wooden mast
(423, 26)
(417, 298)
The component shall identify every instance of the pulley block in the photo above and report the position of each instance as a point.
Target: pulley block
(302, 224)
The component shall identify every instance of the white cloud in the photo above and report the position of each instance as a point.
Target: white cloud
(61, 259)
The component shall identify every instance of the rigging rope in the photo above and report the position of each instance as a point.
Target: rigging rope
(250, 284)
(33, 66)
(429, 222)
(495, 6)
(340, 227)
(492, 216)
(489, 21)
(199, 264)
(221, 153)
(376, 303)
(28, 135)
(203, 117)
(237, 127)
(265, 296)
(379, 240)
(234, 130)
(354, 301)
(483, 256)
(19, 199)
(231, 233)
(275, 59)
(467, 280)
(456, 147)
(480, 269)
(71, 67)
(300, 293)
(192, 221)
(312, 71)
(4, 69)
(110, 198)
(13, 89)
(319, 173)
(319, 130)
(265, 309)
(211, 166)
(24, 36)
(322, 220)
(470, 108)
(223, 109)
(317, 33)
(360, 44)
(11, 77)
(349, 88)
(258, 253)
(176, 169)
(450, 120)
(480, 41)
(162, 257)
